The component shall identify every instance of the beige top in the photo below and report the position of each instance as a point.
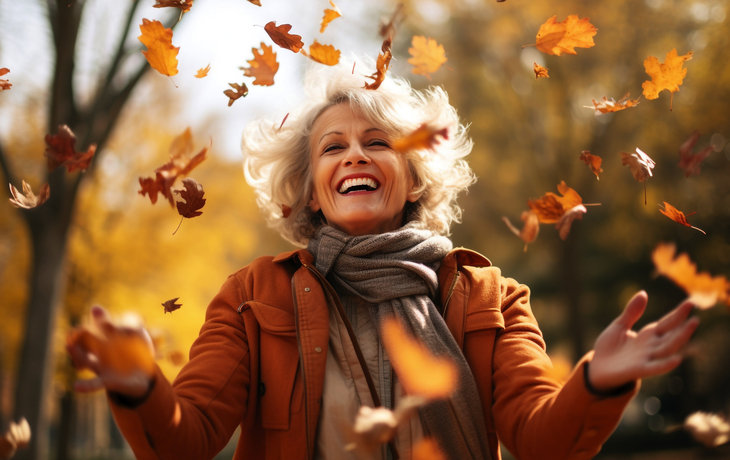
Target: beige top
(346, 389)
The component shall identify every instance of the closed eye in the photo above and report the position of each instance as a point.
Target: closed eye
(379, 142)
(331, 147)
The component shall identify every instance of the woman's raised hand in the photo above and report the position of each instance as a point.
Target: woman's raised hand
(622, 355)
(121, 357)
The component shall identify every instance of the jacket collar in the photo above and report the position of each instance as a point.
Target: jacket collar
(301, 254)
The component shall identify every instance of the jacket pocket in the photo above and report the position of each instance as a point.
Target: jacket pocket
(279, 363)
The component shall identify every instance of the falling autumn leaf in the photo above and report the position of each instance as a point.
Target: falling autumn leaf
(677, 216)
(61, 151)
(171, 305)
(423, 138)
(687, 161)
(427, 54)
(285, 211)
(530, 229)
(703, 290)
(160, 53)
(563, 37)
(559, 210)
(640, 165)
(17, 437)
(540, 71)
(193, 200)
(184, 5)
(421, 373)
(240, 91)
(263, 66)
(329, 16)
(426, 448)
(381, 66)
(668, 75)
(27, 199)
(202, 73)
(593, 162)
(4, 84)
(712, 430)
(388, 27)
(324, 54)
(152, 186)
(612, 105)
(281, 36)
(255, 2)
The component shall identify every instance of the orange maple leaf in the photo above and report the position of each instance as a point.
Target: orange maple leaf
(540, 71)
(428, 55)
(324, 54)
(687, 161)
(28, 199)
(281, 36)
(563, 37)
(559, 210)
(612, 105)
(381, 66)
(427, 449)
(668, 75)
(263, 66)
(61, 151)
(593, 162)
(678, 216)
(193, 200)
(4, 84)
(640, 165)
(423, 138)
(421, 373)
(237, 92)
(171, 305)
(329, 16)
(202, 73)
(184, 5)
(160, 53)
(704, 290)
(255, 2)
(530, 229)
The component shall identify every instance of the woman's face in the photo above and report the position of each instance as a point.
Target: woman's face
(361, 185)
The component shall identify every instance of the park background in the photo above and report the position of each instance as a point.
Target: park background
(110, 246)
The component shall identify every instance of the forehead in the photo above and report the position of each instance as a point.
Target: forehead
(340, 118)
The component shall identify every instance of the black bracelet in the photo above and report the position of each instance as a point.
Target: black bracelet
(625, 388)
(131, 402)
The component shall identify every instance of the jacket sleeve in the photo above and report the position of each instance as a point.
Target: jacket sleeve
(196, 415)
(535, 417)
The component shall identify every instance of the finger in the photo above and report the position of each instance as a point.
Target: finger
(674, 340)
(661, 366)
(102, 319)
(674, 318)
(87, 386)
(633, 311)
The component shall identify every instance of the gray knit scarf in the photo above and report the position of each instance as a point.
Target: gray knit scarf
(396, 272)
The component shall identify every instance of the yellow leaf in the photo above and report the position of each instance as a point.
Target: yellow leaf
(263, 66)
(324, 54)
(427, 54)
(562, 37)
(202, 73)
(160, 53)
(329, 16)
(668, 75)
(540, 71)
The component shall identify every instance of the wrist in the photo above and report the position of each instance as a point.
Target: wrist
(605, 393)
(131, 402)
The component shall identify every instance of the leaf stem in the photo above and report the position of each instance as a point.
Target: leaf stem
(178, 225)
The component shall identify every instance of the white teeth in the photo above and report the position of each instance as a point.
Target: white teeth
(347, 183)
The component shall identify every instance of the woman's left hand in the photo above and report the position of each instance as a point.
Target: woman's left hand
(623, 356)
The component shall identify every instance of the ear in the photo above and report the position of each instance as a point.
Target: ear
(314, 202)
(413, 195)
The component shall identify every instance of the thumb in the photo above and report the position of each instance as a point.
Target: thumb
(633, 311)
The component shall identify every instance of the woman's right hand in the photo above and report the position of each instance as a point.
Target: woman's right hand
(121, 357)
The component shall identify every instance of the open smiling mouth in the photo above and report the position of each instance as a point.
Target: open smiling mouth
(359, 184)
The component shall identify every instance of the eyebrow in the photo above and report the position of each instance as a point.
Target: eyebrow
(337, 132)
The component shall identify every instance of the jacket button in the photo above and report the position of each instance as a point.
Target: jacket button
(306, 289)
(262, 389)
(318, 349)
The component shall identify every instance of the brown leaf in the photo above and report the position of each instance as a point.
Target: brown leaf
(281, 36)
(388, 27)
(193, 196)
(540, 71)
(687, 161)
(324, 54)
(530, 229)
(640, 165)
(712, 430)
(184, 5)
(668, 75)
(704, 290)
(329, 16)
(421, 373)
(566, 220)
(427, 54)
(152, 186)
(593, 162)
(4, 84)
(424, 137)
(677, 216)
(612, 105)
(160, 53)
(202, 73)
(562, 37)
(171, 305)
(263, 66)
(27, 199)
(240, 91)
(381, 66)
(559, 210)
(61, 151)
(255, 2)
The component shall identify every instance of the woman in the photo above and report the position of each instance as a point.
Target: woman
(290, 348)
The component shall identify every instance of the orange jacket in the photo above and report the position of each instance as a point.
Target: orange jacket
(259, 362)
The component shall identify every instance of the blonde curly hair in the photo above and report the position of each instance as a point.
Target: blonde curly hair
(277, 162)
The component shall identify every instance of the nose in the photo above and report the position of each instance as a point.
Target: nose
(355, 155)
